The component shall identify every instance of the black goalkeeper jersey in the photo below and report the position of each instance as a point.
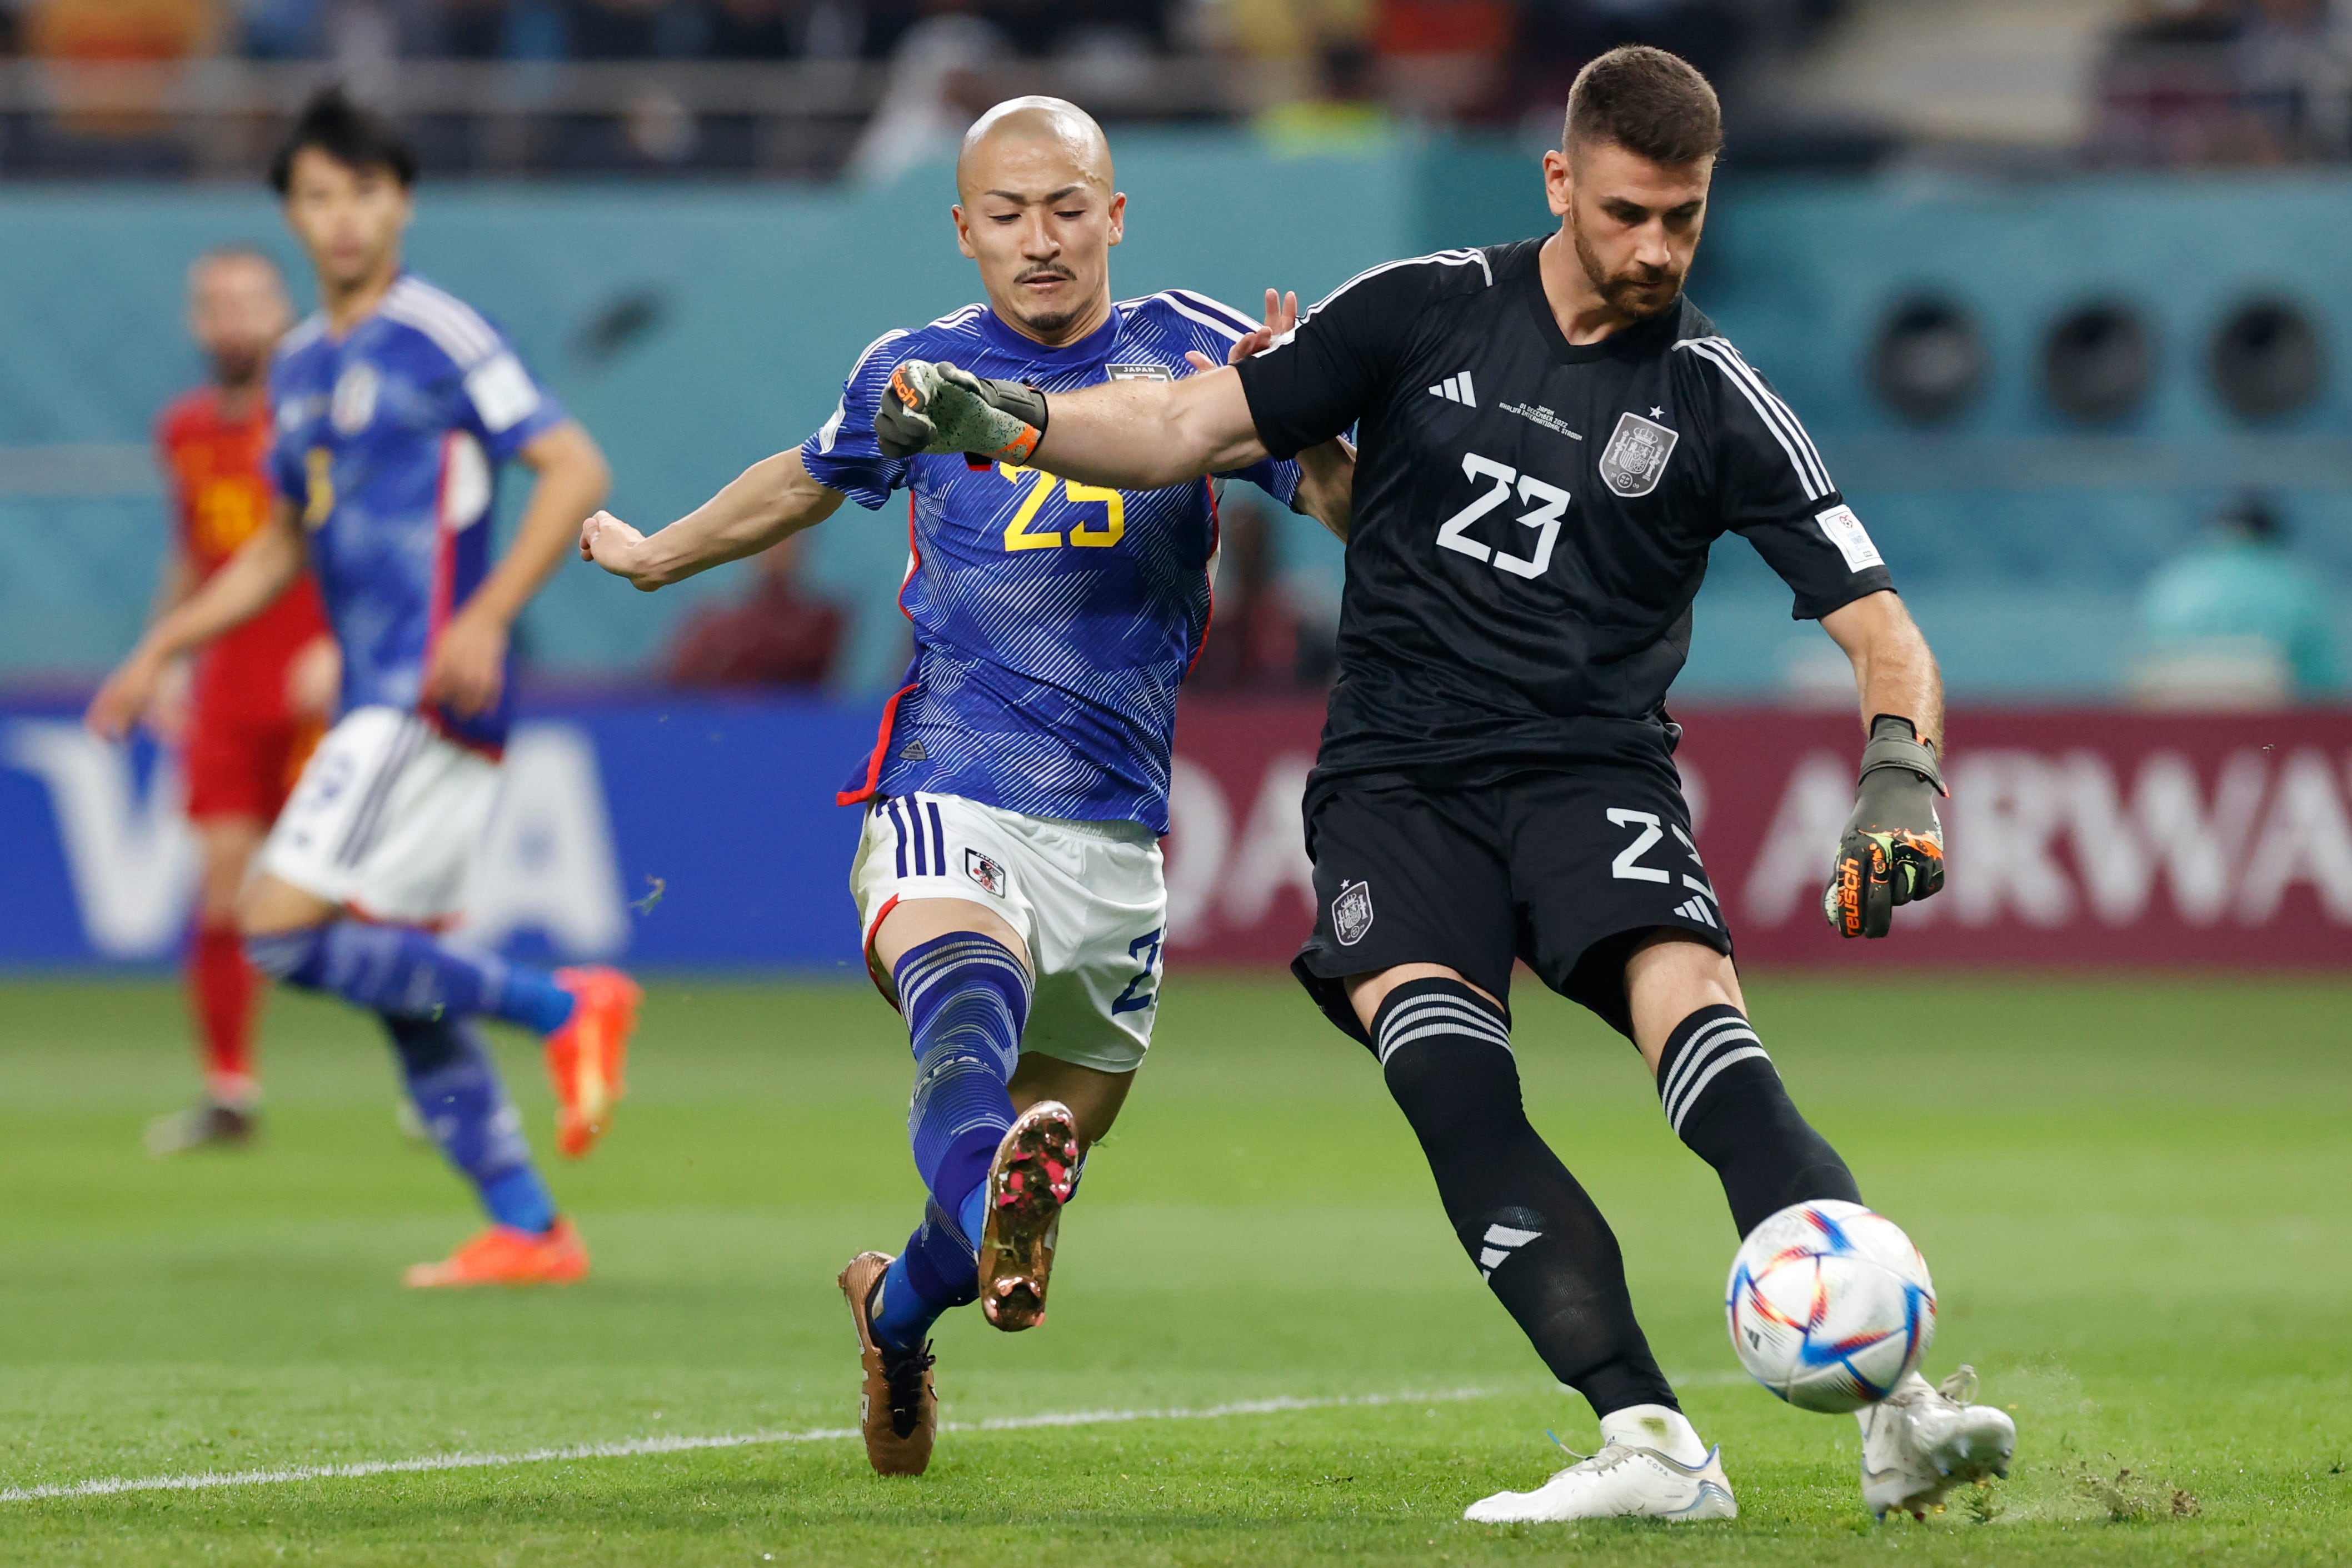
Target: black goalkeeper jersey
(1532, 519)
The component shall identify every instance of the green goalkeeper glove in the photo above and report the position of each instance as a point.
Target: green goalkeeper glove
(932, 407)
(1893, 849)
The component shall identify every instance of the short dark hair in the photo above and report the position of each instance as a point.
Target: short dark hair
(352, 136)
(1651, 103)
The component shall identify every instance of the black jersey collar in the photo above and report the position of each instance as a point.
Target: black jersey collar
(1637, 338)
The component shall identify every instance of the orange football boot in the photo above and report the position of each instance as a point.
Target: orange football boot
(897, 1410)
(505, 1256)
(584, 1058)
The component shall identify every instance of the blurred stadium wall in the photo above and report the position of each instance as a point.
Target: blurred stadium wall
(696, 329)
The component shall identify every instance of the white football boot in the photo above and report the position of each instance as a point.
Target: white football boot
(1624, 1479)
(1920, 1442)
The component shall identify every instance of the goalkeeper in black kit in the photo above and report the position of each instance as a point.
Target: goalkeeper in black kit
(1551, 438)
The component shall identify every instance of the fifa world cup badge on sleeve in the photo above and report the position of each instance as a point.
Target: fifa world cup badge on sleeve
(1351, 912)
(1636, 458)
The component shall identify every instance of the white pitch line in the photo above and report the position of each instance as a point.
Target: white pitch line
(116, 1485)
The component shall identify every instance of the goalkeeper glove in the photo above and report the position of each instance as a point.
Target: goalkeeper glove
(1893, 849)
(932, 407)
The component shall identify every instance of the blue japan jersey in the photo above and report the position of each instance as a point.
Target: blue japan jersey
(391, 439)
(1053, 621)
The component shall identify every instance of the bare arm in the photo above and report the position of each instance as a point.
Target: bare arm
(767, 502)
(468, 669)
(1147, 434)
(263, 568)
(1893, 669)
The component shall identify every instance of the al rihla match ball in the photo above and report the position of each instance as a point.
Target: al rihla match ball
(1829, 1305)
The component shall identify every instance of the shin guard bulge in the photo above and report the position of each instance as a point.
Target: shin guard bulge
(1533, 1232)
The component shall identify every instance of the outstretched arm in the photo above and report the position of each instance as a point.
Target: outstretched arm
(263, 568)
(1326, 473)
(769, 502)
(1123, 434)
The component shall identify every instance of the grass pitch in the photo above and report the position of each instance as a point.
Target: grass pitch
(2133, 1194)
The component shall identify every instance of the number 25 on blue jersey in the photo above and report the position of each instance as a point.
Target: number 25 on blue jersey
(1023, 532)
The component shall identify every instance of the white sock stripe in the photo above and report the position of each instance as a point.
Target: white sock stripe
(1436, 1014)
(1392, 1043)
(1731, 1060)
(1677, 1099)
(1684, 1063)
(938, 966)
(1446, 1006)
(1677, 1106)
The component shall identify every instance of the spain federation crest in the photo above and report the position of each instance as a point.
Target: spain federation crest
(1636, 458)
(1351, 912)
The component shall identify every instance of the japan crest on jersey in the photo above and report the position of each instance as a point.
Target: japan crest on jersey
(1636, 458)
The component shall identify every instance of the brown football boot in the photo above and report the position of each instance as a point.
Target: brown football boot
(898, 1412)
(1028, 1183)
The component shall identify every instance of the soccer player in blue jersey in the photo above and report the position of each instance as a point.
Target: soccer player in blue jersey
(396, 405)
(1009, 878)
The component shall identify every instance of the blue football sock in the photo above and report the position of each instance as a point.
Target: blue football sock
(458, 1095)
(933, 1274)
(403, 973)
(965, 1000)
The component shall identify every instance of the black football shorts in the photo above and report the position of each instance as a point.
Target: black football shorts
(1567, 869)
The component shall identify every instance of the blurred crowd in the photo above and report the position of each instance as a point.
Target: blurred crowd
(2188, 82)
(1471, 58)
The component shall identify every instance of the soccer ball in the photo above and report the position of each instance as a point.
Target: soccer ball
(1829, 1305)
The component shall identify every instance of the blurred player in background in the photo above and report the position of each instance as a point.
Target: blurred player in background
(258, 699)
(1008, 879)
(396, 405)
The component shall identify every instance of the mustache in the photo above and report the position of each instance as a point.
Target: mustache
(1047, 270)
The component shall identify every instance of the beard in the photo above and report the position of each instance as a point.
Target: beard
(1636, 294)
(239, 364)
(1054, 320)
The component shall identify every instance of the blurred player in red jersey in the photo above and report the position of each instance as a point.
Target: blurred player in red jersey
(257, 700)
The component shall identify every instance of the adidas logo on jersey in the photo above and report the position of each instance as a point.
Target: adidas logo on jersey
(1695, 909)
(1456, 389)
(1501, 1241)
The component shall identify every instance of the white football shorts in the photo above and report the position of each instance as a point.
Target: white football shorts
(384, 818)
(1087, 896)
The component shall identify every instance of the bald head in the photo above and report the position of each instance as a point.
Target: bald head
(1054, 127)
(1040, 216)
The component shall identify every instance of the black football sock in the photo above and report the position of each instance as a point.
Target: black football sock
(1725, 1099)
(1534, 1234)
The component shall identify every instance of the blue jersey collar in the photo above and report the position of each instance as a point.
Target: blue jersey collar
(1091, 347)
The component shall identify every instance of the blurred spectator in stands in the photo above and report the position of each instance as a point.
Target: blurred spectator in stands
(1283, 48)
(935, 90)
(1444, 59)
(1344, 115)
(2237, 621)
(1258, 639)
(777, 635)
(2294, 61)
(751, 30)
(110, 61)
